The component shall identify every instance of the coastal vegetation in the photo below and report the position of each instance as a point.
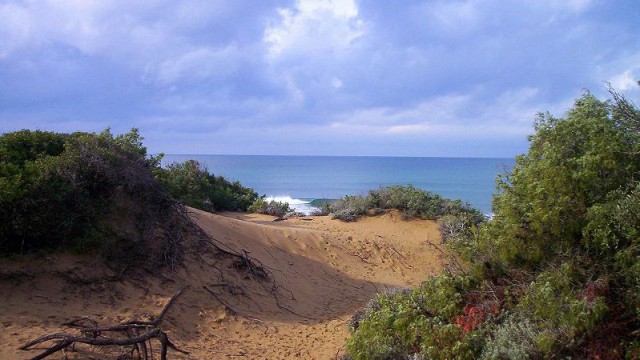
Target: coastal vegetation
(100, 193)
(194, 185)
(554, 274)
(85, 192)
(271, 207)
(412, 202)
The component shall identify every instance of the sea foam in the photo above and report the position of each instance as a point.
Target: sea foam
(297, 205)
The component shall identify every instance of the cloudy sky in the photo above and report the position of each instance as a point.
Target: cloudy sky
(312, 77)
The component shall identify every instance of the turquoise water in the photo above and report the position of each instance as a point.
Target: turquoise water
(299, 179)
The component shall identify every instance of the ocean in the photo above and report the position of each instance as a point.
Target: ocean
(301, 179)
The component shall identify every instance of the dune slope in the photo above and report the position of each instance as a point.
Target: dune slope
(311, 275)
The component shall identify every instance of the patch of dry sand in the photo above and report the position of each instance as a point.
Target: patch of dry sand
(324, 270)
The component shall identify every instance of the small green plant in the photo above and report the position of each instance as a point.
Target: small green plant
(515, 338)
(345, 215)
(412, 202)
(272, 207)
(456, 228)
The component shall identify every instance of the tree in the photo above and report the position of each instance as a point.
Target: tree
(573, 163)
(556, 273)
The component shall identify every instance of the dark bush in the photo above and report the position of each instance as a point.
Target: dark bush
(192, 184)
(84, 192)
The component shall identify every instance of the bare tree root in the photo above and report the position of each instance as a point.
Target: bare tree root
(228, 307)
(137, 333)
(244, 262)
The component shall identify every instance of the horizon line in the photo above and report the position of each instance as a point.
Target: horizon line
(379, 156)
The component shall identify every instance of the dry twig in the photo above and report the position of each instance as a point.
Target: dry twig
(95, 335)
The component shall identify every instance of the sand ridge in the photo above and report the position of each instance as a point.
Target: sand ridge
(323, 271)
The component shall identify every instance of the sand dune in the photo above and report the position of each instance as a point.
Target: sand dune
(320, 271)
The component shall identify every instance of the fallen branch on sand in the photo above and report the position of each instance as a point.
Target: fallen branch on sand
(94, 335)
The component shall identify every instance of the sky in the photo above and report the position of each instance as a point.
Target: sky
(312, 77)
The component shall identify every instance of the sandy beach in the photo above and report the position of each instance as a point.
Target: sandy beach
(323, 270)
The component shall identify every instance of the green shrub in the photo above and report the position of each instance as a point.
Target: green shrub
(513, 339)
(572, 165)
(456, 228)
(556, 272)
(345, 215)
(273, 208)
(83, 192)
(557, 302)
(401, 323)
(192, 184)
(412, 202)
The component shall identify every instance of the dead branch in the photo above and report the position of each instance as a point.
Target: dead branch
(244, 261)
(449, 254)
(254, 266)
(228, 307)
(94, 335)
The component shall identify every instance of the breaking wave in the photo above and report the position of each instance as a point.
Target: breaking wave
(298, 205)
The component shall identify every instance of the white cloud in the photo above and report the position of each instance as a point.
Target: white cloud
(439, 109)
(410, 129)
(346, 67)
(314, 26)
(15, 28)
(626, 80)
(567, 5)
(336, 83)
(199, 64)
(153, 37)
(456, 16)
(92, 27)
(512, 113)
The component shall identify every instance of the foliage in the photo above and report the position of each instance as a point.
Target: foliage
(192, 184)
(346, 215)
(83, 192)
(457, 228)
(514, 338)
(399, 324)
(572, 165)
(560, 307)
(411, 201)
(273, 208)
(555, 273)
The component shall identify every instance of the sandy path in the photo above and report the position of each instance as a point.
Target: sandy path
(324, 271)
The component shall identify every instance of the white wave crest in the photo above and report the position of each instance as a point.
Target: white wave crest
(297, 205)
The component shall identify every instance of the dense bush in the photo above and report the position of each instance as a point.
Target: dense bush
(84, 192)
(412, 202)
(398, 324)
(192, 184)
(555, 273)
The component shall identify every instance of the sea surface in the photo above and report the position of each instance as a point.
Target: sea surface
(301, 179)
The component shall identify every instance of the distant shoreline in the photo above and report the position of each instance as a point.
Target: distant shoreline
(348, 156)
(309, 178)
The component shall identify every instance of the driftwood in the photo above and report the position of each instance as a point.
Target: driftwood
(137, 333)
